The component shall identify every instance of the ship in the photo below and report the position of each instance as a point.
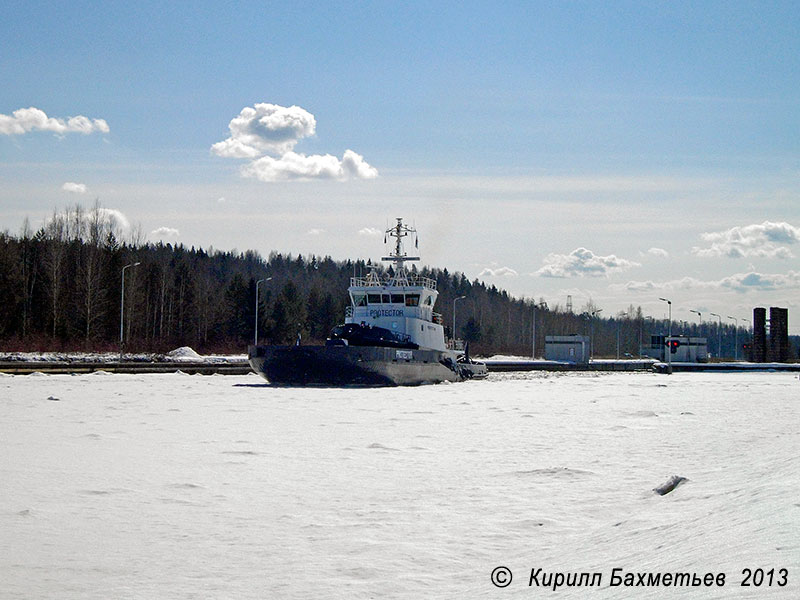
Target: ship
(391, 335)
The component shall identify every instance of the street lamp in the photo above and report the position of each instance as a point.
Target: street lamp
(255, 335)
(719, 334)
(591, 332)
(122, 308)
(747, 331)
(454, 319)
(542, 305)
(641, 332)
(620, 316)
(735, 339)
(699, 314)
(669, 335)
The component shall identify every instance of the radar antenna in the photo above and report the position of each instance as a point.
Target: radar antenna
(398, 257)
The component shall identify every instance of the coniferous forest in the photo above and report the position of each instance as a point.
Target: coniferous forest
(61, 290)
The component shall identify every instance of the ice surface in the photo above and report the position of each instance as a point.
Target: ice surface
(171, 486)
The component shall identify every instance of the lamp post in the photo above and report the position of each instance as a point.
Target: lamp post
(591, 332)
(669, 336)
(641, 332)
(454, 319)
(735, 338)
(699, 314)
(122, 309)
(719, 334)
(543, 305)
(747, 331)
(620, 316)
(255, 335)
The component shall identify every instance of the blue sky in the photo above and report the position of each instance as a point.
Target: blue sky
(662, 139)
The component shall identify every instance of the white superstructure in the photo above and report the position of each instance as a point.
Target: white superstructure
(401, 302)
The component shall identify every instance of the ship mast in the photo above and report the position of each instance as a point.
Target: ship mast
(398, 257)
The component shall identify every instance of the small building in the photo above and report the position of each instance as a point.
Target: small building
(681, 348)
(567, 348)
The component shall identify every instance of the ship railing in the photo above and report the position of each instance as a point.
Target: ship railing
(408, 279)
(437, 318)
(348, 312)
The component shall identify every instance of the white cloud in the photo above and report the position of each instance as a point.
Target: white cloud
(32, 119)
(638, 286)
(370, 231)
(742, 282)
(266, 129)
(163, 232)
(583, 263)
(74, 188)
(685, 283)
(660, 252)
(354, 165)
(266, 134)
(315, 232)
(765, 240)
(293, 166)
(738, 282)
(498, 272)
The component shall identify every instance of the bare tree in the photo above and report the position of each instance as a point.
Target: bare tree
(29, 270)
(53, 260)
(95, 228)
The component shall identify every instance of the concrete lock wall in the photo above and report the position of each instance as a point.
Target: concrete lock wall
(567, 348)
(690, 349)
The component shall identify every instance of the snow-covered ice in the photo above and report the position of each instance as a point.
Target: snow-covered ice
(175, 486)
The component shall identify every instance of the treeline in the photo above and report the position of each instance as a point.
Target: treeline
(61, 289)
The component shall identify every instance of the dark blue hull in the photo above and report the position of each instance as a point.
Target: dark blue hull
(352, 365)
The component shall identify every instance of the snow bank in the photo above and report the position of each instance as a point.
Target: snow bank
(184, 353)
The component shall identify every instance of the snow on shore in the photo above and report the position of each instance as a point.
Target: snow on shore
(182, 354)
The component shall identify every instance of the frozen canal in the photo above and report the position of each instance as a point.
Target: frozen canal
(176, 486)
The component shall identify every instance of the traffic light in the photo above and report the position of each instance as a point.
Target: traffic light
(673, 346)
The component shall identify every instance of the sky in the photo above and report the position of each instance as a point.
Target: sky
(615, 152)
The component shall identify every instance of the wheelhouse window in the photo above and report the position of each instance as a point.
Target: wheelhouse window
(412, 299)
(398, 299)
(428, 300)
(374, 298)
(385, 298)
(359, 300)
